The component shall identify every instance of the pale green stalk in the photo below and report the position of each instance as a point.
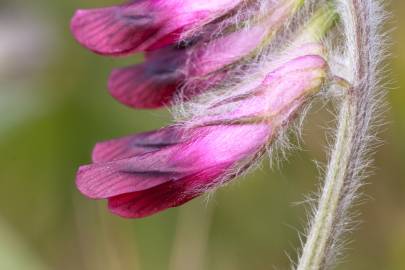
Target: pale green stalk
(322, 227)
(361, 21)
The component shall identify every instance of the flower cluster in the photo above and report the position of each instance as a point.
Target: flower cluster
(214, 62)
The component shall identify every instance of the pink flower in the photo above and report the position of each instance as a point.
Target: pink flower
(156, 25)
(151, 84)
(143, 25)
(147, 173)
(154, 83)
(191, 48)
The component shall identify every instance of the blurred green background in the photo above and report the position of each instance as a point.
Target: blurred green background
(53, 108)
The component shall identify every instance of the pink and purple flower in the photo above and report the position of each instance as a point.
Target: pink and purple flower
(175, 58)
(142, 25)
(184, 43)
(149, 172)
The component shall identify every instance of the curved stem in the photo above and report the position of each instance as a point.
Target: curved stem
(315, 249)
(349, 154)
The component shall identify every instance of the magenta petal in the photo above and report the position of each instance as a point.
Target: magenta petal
(148, 202)
(151, 84)
(137, 144)
(135, 88)
(142, 25)
(115, 30)
(227, 50)
(199, 156)
(167, 195)
(103, 180)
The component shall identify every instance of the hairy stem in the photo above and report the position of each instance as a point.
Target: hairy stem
(321, 232)
(348, 158)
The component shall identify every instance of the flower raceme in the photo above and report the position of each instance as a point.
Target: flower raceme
(175, 59)
(146, 173)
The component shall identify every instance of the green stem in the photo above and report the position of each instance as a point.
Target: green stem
(322, 226)
(347, 160)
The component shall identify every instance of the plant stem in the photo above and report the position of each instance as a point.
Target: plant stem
(315, 249)
(361, 22)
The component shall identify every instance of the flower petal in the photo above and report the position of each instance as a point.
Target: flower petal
(141, 25)
(200, 154)
(148, 202)
(103, 180)
(227, 50)
(151, 84)
(133, 87)
(167, 195)
(137, 144)
(116, 30)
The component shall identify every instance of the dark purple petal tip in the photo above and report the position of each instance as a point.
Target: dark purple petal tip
(117, 30)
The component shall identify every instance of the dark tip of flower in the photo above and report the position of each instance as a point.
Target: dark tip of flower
(112, 30)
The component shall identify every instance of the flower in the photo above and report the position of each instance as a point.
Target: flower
(173, 61)
(146, 173)
(224, 127)
(142, 25)
(154, 83)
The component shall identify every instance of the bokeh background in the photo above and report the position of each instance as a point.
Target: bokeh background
(54, 106)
